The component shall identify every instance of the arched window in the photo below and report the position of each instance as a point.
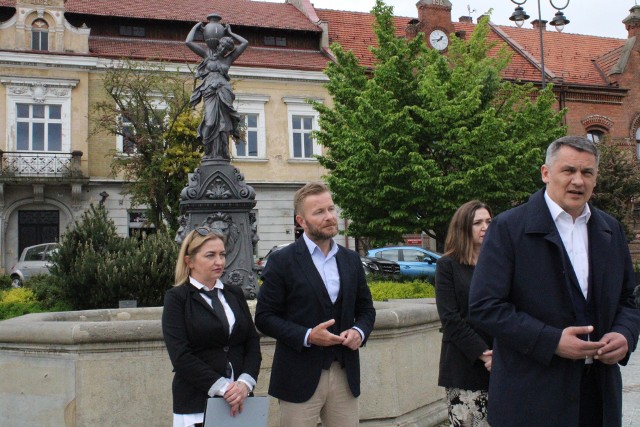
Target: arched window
(40, 35)
(596, 135)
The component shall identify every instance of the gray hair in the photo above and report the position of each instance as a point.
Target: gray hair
(580, 143)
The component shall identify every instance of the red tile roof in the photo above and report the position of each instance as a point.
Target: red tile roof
(569, 57)
(238, 12)
(354, 31)
(143, 49)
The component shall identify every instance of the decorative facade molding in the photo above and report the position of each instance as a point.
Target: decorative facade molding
(597, 120)
(38, 193)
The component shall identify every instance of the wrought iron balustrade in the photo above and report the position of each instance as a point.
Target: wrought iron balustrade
(40, 164)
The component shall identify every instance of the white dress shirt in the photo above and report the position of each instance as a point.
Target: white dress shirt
(575, 237)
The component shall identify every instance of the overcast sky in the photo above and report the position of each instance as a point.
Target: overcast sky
(594, 17)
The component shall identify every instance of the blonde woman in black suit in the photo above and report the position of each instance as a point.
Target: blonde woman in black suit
(465, 358)
(209, 332)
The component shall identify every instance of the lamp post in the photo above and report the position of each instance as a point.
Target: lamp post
(559, 21)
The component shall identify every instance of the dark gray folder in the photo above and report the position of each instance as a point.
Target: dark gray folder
(255, 412)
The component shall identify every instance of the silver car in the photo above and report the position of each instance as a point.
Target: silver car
(33, 260)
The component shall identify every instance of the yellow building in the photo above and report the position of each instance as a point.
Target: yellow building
(53, 54)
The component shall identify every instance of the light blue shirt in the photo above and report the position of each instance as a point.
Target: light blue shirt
(326, 266)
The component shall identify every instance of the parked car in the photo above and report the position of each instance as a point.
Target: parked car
(262, 262)
(379, 266)
(33, 260)
(413, 260)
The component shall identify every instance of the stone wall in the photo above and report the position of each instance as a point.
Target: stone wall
(110, 368)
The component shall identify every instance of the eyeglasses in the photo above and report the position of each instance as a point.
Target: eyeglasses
(203, 230)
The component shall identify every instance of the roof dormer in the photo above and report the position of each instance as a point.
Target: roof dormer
(39, 25)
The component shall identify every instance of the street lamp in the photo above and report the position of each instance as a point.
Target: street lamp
(559, 21)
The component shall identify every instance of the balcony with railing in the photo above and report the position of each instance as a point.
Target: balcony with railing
(40, 165)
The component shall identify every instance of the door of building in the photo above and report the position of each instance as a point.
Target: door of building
(35, 227)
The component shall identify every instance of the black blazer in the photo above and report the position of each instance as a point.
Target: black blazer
(462, 344)
(292, 299)
(199, 348)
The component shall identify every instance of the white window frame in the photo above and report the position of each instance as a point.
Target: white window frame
(120, 138)
(253, 104)
(45, 121)
(159, 104)
(297, 106)
(40, 33)
(38, 91)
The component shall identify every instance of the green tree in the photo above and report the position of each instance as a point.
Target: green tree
(421, 133)
(96, 268)
(618, 184)
(148, 107)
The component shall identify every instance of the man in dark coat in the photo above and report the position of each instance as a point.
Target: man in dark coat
(314, 300)
(553, 286)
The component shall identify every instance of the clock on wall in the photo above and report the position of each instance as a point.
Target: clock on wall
(439, 40)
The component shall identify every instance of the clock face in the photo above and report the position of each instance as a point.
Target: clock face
(439, 40)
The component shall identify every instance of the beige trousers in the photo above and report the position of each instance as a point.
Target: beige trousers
(332, 402)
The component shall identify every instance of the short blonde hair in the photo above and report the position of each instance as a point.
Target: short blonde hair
(310, 189)
(190, 246)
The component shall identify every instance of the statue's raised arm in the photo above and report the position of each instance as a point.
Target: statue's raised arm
(220, 119)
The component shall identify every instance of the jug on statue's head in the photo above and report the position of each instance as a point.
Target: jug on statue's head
(213, 31)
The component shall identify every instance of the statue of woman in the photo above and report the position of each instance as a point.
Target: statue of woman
(220, 119)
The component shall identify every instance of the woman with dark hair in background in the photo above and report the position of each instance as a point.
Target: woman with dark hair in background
(465, 358)
(209, 332)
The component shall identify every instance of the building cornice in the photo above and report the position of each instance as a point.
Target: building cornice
(42, 60)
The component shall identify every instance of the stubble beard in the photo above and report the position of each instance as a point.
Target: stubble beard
(318, 235)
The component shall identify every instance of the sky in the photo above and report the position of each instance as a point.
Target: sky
(593, 17)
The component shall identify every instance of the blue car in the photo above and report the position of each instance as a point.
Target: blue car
(413, 260)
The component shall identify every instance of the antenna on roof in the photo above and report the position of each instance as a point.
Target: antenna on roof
(470, 11)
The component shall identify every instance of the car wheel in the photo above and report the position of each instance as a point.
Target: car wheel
(15, 282)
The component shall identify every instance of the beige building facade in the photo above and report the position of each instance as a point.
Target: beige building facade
(53, 56)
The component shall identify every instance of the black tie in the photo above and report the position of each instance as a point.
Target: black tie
(216, 304)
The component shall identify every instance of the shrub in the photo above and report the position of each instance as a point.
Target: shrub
(96, 268)
(381, 291)
(5, 281)
(17, 302)
(46, 290)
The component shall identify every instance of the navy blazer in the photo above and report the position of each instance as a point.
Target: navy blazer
(200, 348)
(520, 294)
(292, 299)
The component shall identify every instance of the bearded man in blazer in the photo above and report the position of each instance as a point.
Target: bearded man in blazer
(553, 286)
(314, 300)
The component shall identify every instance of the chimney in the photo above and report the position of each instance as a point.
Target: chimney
(466, 19)
(632, 22)
(413, 27)
(481, 17)
(537, 24)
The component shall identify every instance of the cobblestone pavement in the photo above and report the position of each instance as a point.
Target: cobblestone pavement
(631, 392)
